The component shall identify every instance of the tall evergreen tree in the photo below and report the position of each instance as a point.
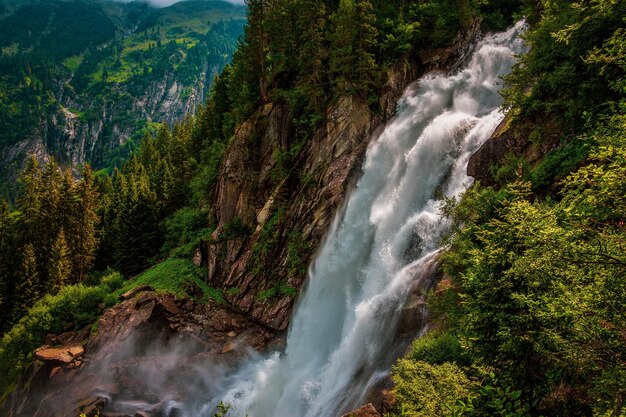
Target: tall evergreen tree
(84, 224)
(342, 56)
(7, 259)
(366, 41)
(28, 289)
(30, 199)
(60, 265)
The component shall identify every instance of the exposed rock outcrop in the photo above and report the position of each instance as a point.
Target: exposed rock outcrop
(365, 411)
(512, 138)
(288, 216)
(149, 345)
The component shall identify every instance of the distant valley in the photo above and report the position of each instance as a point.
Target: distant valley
(82, 81)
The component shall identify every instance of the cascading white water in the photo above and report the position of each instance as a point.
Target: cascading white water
(341, 336)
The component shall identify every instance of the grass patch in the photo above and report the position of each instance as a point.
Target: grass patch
(279, 290)
(177, 276)
(72, 63)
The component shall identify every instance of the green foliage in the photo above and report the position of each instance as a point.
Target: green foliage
(222, 409)
(573, 64)
(177, 276)
(184, 226)
(102, 58)
(559, 163)
(491, 400)
(436, 349)
(298, 253)
(267, 242)
(53, 233)
(279, 290)
(541, 283)
(72, 308)
(426, 390)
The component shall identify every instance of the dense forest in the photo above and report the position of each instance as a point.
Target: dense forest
(528, 317)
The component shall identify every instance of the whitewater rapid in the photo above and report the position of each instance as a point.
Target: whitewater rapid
(341, 339)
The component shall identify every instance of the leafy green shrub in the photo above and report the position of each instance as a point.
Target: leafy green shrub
(234, 229)
(490, 399)
(297, 254)
(279, 290)
(182, 227)
(558, 163)
(267, 241)
(72, 308)
(436, 349)
(426, 390)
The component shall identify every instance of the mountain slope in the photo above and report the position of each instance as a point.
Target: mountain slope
(81, 79)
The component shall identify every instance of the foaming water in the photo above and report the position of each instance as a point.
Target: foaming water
(341, 339)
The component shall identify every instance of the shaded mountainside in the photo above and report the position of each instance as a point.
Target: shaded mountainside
(82, 80)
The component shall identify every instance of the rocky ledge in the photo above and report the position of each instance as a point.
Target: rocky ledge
(147, 353)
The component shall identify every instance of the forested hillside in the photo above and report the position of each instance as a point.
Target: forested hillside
(528, 316)
(82, 80)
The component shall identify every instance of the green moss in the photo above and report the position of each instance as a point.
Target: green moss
(177, 276)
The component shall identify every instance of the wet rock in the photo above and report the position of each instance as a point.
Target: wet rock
(92, 407)
(512, 137)
(388, 400)
(150, 346)
(229, 347)
(365, 411)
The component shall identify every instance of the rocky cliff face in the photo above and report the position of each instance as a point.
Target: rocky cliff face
(512, 138)
(145, 350)
(288, 218)
(84, 128)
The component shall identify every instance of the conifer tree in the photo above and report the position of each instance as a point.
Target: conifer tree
(30, 199)
(60, 265)
(28, 289)
(312, 18)
(84, 226)
(7, 256)
(342, 57)
(365, 44)
(255, 45)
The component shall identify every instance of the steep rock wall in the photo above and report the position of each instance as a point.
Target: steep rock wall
(285, 221)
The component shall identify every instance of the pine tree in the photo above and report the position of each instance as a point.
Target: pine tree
(84, 226)
(28, 289)
(7, 269)
(342, 56)
(60, 265)
(313, 51)
(255, 45)
(366, 41)
(30, 199)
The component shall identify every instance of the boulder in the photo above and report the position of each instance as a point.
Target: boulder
(61, 356)
(365, 411)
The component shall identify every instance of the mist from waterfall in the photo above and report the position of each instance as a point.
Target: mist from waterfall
(342, 337)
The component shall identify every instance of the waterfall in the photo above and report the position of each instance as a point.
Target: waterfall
(342, 335)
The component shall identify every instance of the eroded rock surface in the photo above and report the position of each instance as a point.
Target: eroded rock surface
(286, 216)
(365, 411)
(149, 348)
